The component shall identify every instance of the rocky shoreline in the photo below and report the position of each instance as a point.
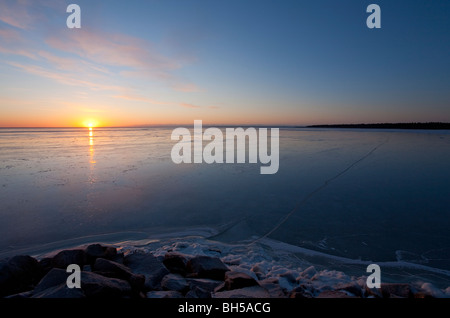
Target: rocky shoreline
(110, 272)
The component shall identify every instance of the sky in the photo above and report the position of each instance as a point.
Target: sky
(246, 62)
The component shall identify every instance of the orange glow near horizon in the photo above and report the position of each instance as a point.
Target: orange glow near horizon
(90, 123)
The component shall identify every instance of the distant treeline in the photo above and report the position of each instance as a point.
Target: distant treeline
(431, 125)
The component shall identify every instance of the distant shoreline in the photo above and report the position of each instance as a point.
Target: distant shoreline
(430, 126)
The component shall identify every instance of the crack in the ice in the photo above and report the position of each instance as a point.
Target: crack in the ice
(320, 188)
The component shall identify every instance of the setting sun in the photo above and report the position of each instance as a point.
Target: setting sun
(90, 123)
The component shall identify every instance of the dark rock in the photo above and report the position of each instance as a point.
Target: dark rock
(87, 268)
(372, 292)
(334, 294)
(95, 251)
(422, 295)
(308, 273)
(67, 257)
(396, 290)
(46, 264)
(119, 258)
(26, 294)
(95, 285)
(164, 294)
(352, 288)
(289, 277)
(206, 267)
(247, 292)
(259, 272)
(149, 266)
(203, 283)
(389, 290)
(60, 291)
(54, 285)
(53, 278)
(198, 292)
(112, 269)
(175, 263)
(236, 280)
(18, 274)
(220, 288)
(272, 287)
(175, 282)
(302, 291)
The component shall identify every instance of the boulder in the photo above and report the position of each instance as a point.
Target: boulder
(206, 267)
(60, 291)
(334, 294)
(175, 262)
(198, 292)
(22, 295)
(112, 269)
(95, 251)
(149, 266)
(396, 290)
(236, 280)
(67, 257)
(247, 292)
(352, 288)
(390, 290)
(302, 291)
(308, 273)
(175, 282)
(46, 264)
(53, 278)
(164, 294)
(203, 283)
(95, 285)
(18, 274)
(272, 287)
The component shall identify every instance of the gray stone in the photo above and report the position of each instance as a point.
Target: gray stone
(198, 292)
(203, 283)
(22, 295)
(206, 267)
(149, 266)
(334, 294)
(67, 257)
(247, 292)
(175, 282)
(18, 274)
(175, 262)
(164, 294)
(308, 273)
(237, 280)
(272, 287)
(95, 251)
(95, 285)
(54, 277)
(352, 288)
(112, 269)
(302, 291)
(396, 290)
(60, 291)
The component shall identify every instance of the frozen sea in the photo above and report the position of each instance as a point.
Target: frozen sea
(341, 199)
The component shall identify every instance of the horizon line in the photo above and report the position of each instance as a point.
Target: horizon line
(230, 125)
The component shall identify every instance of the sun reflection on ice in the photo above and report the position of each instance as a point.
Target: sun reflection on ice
(92, 161)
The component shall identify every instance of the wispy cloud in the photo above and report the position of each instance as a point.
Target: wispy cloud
(13, 43)
(189, 105)
(129, 56)
(88, 52)
(16, 13)
(64, 78)
(137, 98)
